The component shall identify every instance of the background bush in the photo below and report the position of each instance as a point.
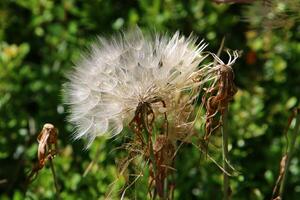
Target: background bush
(39, 41)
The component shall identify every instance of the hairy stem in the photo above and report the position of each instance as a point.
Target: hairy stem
(290, 152)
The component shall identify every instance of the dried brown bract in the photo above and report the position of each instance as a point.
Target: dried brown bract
(47, 140)
(219, 94)
(47, 148)
(160, 153)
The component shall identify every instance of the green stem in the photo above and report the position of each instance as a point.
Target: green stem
(290, 153)
(55, 179)
(166, 190)
(225, 155)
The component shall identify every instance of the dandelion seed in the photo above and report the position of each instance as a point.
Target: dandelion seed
(108, 83)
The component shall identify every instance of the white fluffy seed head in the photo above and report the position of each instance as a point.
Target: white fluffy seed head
(109, 82)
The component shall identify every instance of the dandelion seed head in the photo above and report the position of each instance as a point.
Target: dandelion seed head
(108, 83)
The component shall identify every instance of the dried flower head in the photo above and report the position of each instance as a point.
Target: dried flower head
(268, 15)
(109, 83)
(220, 93)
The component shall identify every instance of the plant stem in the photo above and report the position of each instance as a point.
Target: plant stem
(225, 155)
(148, 141)
(290, 152)
(224, 132)
(55, 179)
(166, 190)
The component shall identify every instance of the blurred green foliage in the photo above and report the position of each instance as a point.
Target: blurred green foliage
(39, 41)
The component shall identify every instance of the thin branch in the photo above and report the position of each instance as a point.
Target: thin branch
(291, 150)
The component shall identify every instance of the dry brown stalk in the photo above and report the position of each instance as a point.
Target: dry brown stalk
(278, 189)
